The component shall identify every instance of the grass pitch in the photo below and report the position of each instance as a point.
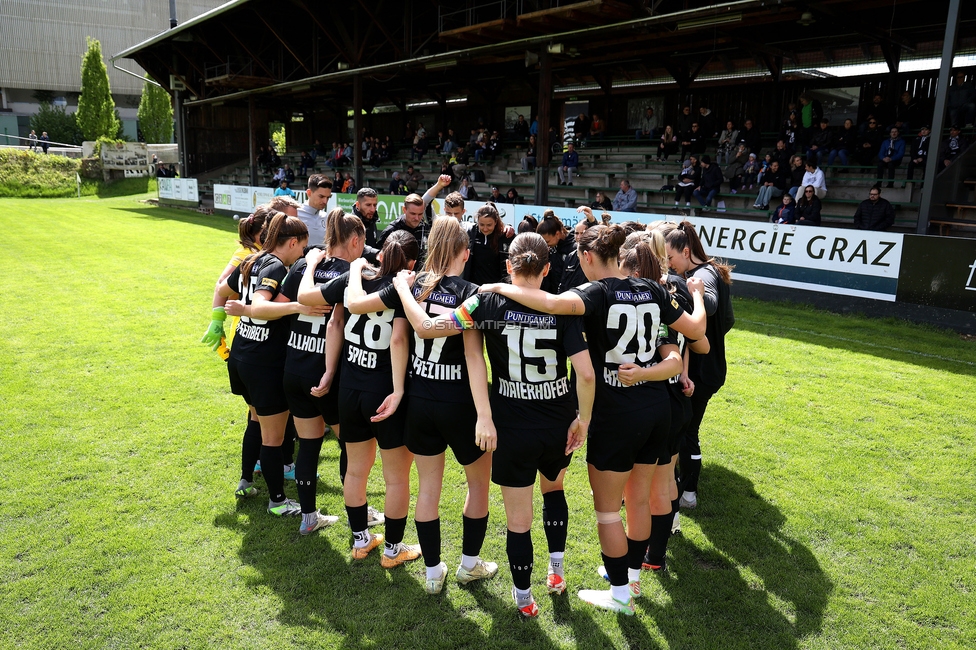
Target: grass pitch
(836, 504)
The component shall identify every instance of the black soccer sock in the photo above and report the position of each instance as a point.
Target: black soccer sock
(519, 548)
(473, 536)
(657, 547)
(394, 530)
(250, 449)
(288, 445)
(343, 462)
(690, 471)
(555, 519)
(635, 553)
(429, 536)
(357, 518)
(274, 473)
(675, 506)
(616, 569)
(306, 467)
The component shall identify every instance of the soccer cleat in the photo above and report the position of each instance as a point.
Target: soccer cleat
(605, 600)
(321, 521)
(529, 609)
(435, 585)
(374, 517)
(656, 568)
(245, 490)
(360, 552)
(676, 524)
(481, 571)
(555, 583)
(688, 500)
(257, 468)
(635, 588)
(290, 472)
(404, 554)
(287, 508)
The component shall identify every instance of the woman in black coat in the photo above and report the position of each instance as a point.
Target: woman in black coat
(808, 208)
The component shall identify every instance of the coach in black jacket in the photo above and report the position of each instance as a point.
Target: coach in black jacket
(875, 213)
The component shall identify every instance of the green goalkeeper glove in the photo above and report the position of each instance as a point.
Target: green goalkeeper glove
(216, 330)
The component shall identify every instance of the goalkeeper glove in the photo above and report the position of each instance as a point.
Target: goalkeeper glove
(216, 330)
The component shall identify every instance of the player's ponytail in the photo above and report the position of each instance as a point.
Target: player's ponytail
(685, 236)
(340, 228)
(528, 255)
(399, 249)
(550, 225)
(602, 241)
(640, 261)
(249, 228)
(445, 244)
(276, 232)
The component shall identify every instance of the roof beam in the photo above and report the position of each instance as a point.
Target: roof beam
(249, 53)
(340, 49)
(872, 32)
(283, 42)
(379, 25)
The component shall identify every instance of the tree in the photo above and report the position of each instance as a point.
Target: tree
(96, 108)
(60, 125)
(155, 114)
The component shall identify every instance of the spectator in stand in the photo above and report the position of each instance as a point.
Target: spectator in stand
(869, 143)
(337, 181)
(687, 180)
(317, 150)
(668, 145)
(580, 128)
(496, 195)
(750, 173)
(449, 145)
(347, 155)
(879, 111)
(707, 123)
(528, 158)
(791, 134)
(597, 128)
(796, 172)
(749, 136)
(263, 159)
(821, 141)
(512, 196)
(648, 125)
(534, 129)
(907, 113)
(808, 208)
(626, 199)
(460, 165)
(782, 154)
(494, 146)
(694, 142)
(275, 159)
(32, 141)
(46, 142)
(814, 177)
(711, 183)
(570, 163)
(289, 173)
(397, 186)
(845, 140)
(728, 141)
(961, 101)
(735, 169)
(875, 213)
(890, 155)
(421, 131)
(282, 189)
(520, 129)
(307, 163)
(773, 186)
(919, 152)
(602, 202)
(811, 112)
(785, 213)
(685, 120)
(419, 149)
(767, 164)
(467, 191)
(413, 178)
(954, 145)
(348, 184)
(278, 177)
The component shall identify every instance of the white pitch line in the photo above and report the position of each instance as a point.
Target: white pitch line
(846, 340)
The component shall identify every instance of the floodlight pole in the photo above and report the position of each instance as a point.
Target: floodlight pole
(542, 143)
(932, 161)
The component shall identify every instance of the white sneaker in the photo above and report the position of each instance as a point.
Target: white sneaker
(435, 585)
(321, 521)
(676, 524)
(481, 571)
(689, 500)
(605, 600)
(374, 517)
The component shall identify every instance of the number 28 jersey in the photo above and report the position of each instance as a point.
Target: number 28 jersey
(366, 362)
(623, 325)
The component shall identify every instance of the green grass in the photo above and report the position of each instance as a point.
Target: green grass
(836, 511)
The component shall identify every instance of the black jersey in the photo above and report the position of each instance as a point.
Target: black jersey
(709, 370)
(260, 342)
(530, 386)
(305, 354)
(623, 325)
(673, 336)
(486, 265)
(557, 262)
(438, 368)
(573, 275)
(366, 362)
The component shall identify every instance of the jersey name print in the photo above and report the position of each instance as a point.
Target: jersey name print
(305, 355)
(260, 342)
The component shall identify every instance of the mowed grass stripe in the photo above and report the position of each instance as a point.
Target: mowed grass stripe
(836, 500)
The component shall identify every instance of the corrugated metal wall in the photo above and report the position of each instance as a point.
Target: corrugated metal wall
(42, 41)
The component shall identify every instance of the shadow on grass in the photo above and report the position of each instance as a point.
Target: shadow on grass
(185, 216)
(758, 586)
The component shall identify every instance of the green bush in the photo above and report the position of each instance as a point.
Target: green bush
(25, 174)
(60, 125)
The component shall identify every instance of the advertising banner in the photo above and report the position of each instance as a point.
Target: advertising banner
(942, 272)
(125, 155)
(178, 189)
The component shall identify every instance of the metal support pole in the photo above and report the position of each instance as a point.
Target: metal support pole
(180, 135)
(932, 162)
(542, 143)
(357, 127)
(252, 155)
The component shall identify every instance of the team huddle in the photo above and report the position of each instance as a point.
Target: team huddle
(590, 339)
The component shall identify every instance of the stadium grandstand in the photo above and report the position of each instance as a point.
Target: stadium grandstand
(379, 69)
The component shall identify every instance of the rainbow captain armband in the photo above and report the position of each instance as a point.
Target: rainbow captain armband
(462, 315)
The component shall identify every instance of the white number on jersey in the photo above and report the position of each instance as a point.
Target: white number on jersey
(634, 326)
(540, 365)
(437, 345)
(247, 297)
(377, 330)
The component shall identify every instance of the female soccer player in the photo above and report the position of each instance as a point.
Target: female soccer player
(256, 364)
(532, 404)
(687, 257)
(374, 367)
(448, 403)
(345, 236)
(622, 316)
(561, 244)
(489, 247)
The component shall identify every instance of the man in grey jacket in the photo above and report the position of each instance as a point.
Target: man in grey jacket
(312, 212)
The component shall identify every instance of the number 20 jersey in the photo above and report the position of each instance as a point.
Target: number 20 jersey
(623, 325)
(530, 383)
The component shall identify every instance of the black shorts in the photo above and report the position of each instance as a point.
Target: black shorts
(433, 426)
(303, 404)
(680, 417)
(618, 442)
(523, 452)
(260, 386)
(356, 407)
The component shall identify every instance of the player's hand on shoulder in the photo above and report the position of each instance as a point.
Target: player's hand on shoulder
(404, 280)
(488, 288)
(695, 284)
(357, 265)
(314, 256)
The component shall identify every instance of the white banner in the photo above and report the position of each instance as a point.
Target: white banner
(178, 189)
(125, 155)
(243, 198)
